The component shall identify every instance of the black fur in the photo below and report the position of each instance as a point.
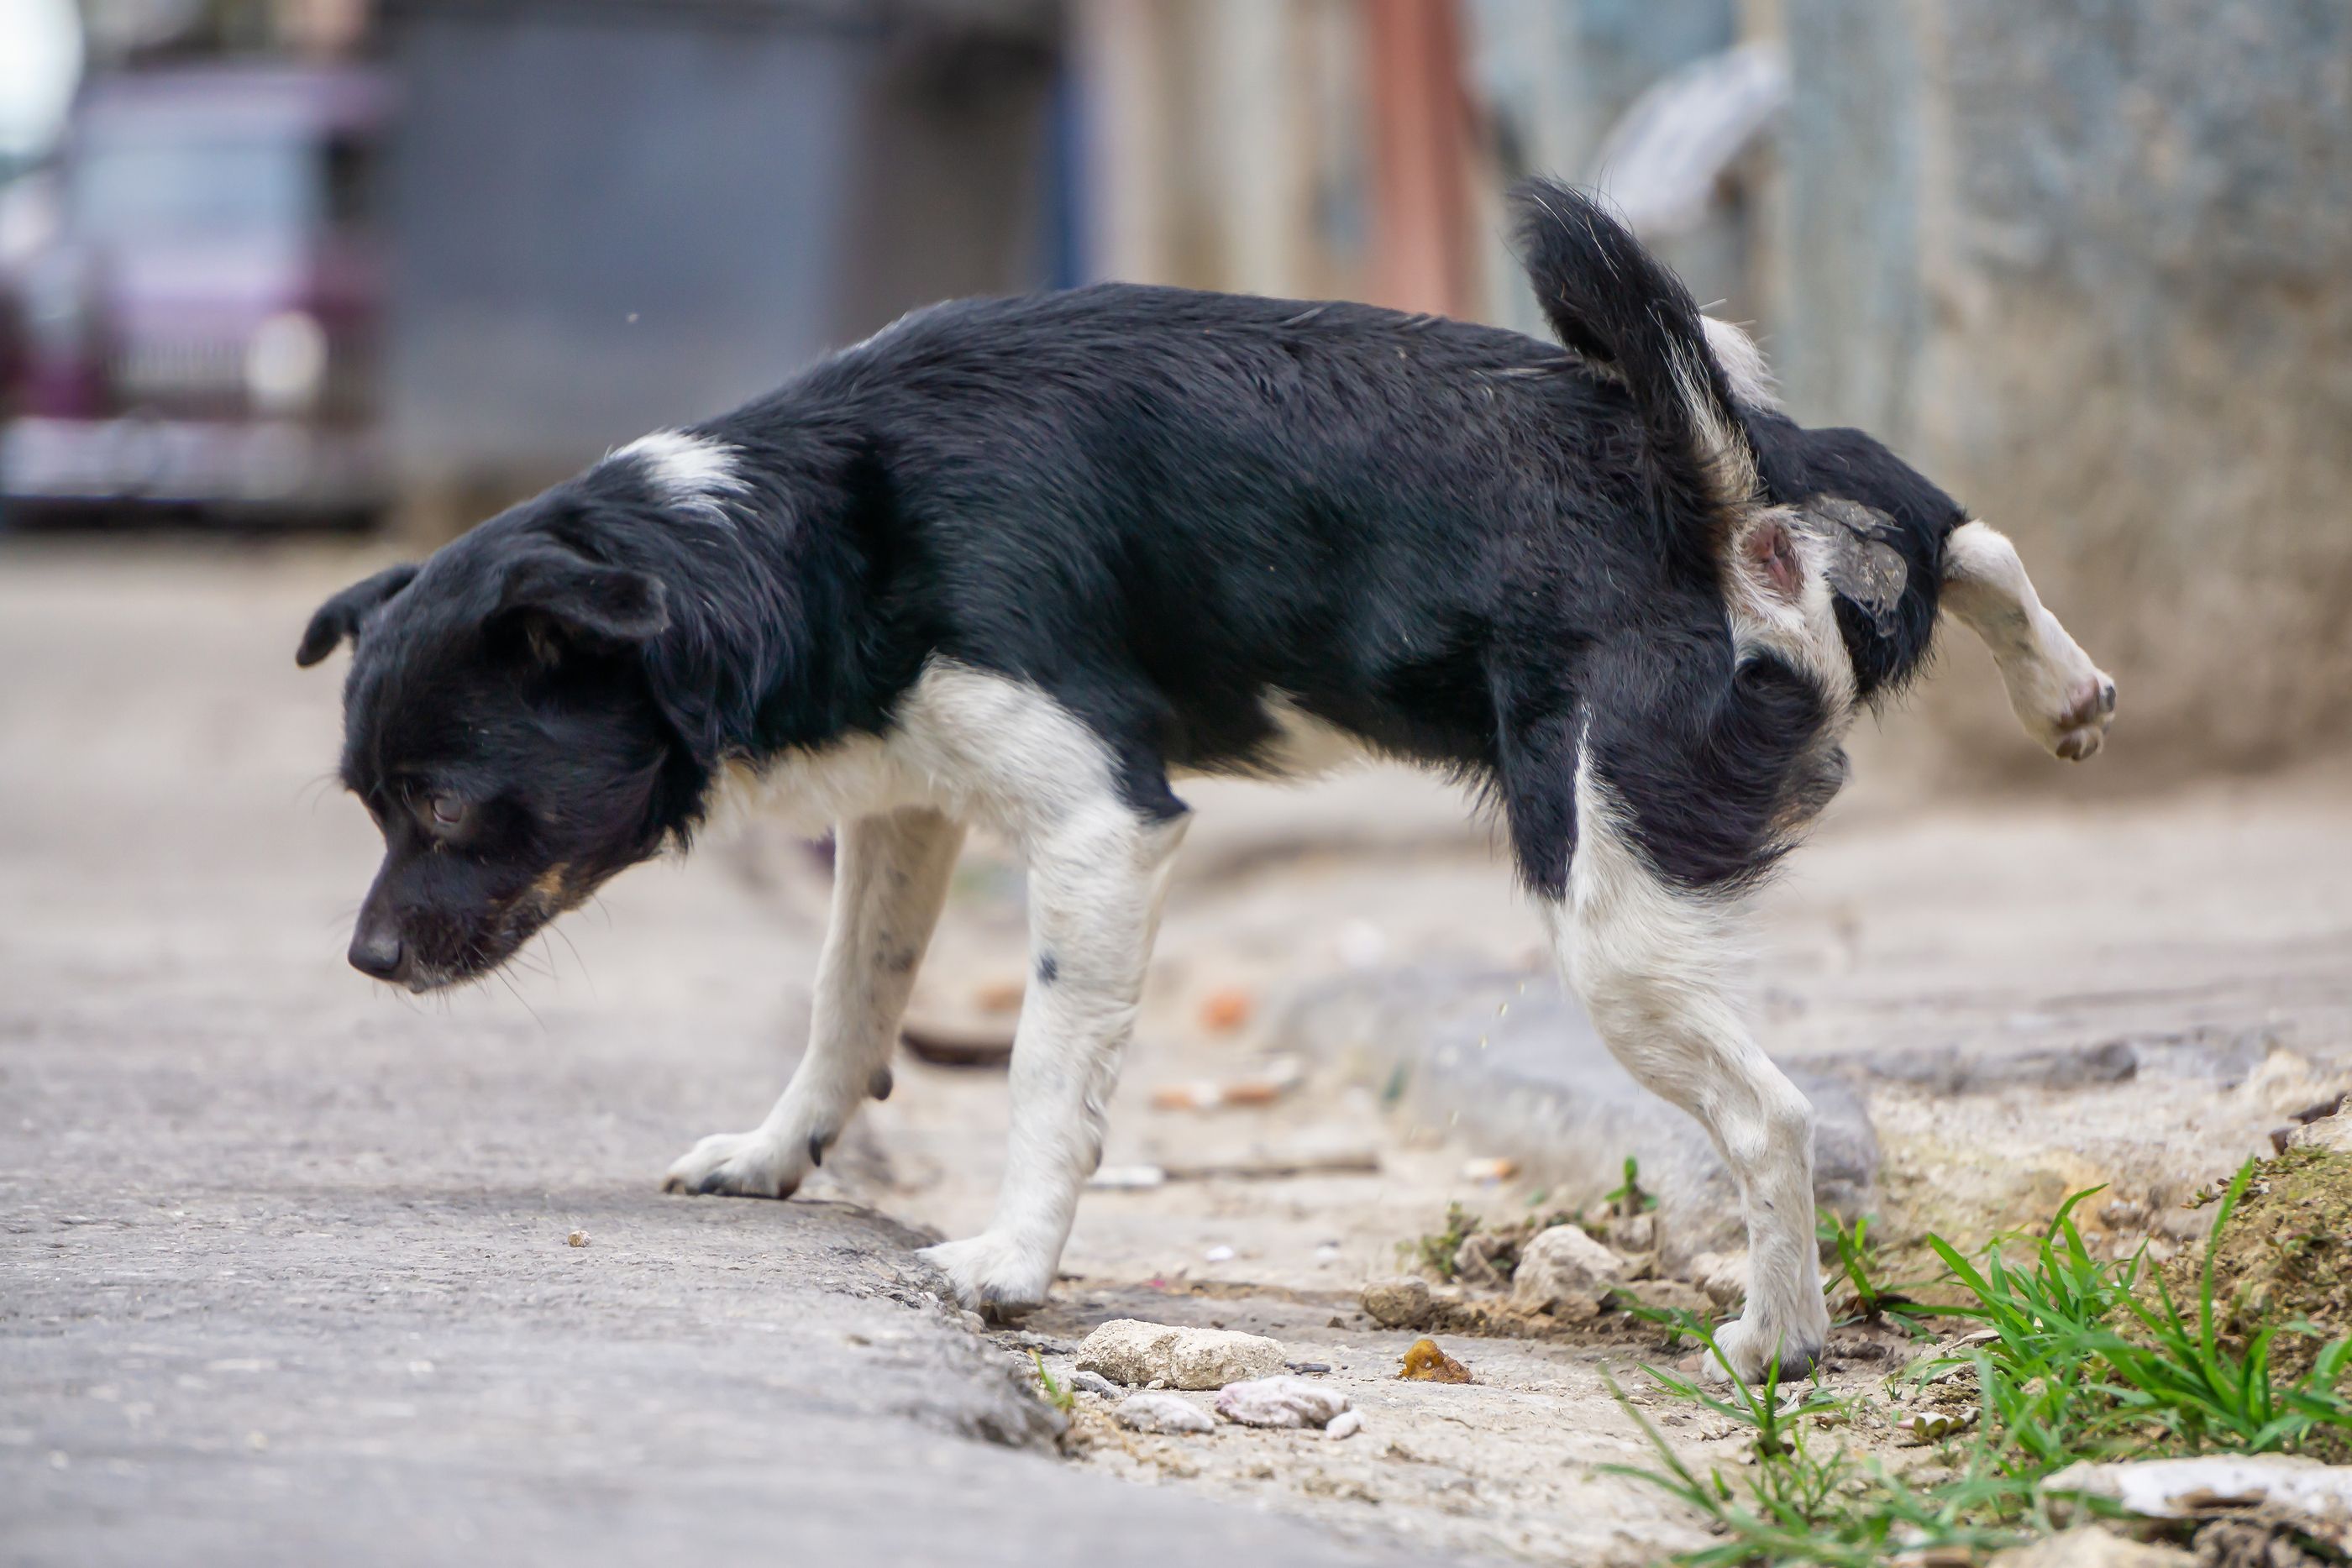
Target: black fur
(1463, 545)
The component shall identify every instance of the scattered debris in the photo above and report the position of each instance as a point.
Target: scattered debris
(1919, 1428)
(1401, 1303)
(1565, 1272)
(2316, 1499)
(1225, 1010)
(1094, 1382)
(1303, 1366)
(1131, 1352)
(1219, 1254)
(1424, 1363)
(577, 1239)
(1489, 1172)
(1346, 1424)
(1279, 1402)
(941, 1046)
(1150, 1412)
(1281, 1075)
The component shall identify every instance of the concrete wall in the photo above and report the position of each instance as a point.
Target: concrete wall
(2089, 262)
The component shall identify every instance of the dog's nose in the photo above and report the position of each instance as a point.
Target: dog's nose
(378, 953)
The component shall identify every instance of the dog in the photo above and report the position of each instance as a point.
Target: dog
(1028, 562)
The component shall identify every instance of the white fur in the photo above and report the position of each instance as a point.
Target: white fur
(1803, 632)
(891, 876)
(967, 745)
(1723, 454)
(1305, 747)
(2064, 701)
(1653, 965)
(1742, 362)
(695, 474)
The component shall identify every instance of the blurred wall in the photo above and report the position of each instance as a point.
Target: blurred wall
(611, 215)
(2090, 263)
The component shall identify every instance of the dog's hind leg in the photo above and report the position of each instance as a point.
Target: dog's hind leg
(2064, 701)
(890, 877)
(1096, 880)
(1651, 963)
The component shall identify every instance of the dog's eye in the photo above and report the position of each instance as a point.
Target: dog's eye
(447, 813)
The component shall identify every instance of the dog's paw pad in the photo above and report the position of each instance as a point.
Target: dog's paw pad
(2082, 728)
(738, 1164)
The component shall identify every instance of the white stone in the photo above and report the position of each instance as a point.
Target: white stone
(1563, 1271)
(1279, 1402)
(1127, 1350)
(1161, 1412)
(1346, 1424)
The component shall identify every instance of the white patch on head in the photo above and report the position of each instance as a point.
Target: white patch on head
(1742, 362)
(694, 474)
(1653, 965)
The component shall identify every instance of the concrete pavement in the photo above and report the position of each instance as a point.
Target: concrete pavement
(284, 1263)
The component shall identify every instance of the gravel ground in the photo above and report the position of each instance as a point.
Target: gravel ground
(284, 1270)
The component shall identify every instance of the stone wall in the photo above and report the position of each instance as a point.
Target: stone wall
(2089, 262)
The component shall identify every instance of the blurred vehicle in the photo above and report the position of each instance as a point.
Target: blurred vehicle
(201, 330)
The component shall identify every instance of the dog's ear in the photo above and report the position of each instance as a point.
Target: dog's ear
(576, 599)
(340, 617)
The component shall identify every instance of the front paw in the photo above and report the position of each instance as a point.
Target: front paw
(743, 1165)
(993, 1275)
(2077, 731)
(1749, 1344)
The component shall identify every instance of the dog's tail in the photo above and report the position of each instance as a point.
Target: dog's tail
(1611, 302)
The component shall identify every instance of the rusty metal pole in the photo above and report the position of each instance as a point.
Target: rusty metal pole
(1420, 158)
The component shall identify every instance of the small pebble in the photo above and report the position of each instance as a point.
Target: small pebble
(1161, 1412)
(1346, 1424)
(1096, 1383)
(1308, 1365)
(1219, 1255)
(1279, 1402)
(577, 1239)
(1424, 1363)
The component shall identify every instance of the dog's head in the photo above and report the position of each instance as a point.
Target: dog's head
(500, 726)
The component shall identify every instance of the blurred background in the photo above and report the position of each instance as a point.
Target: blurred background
(294, 1268)
(391, 264)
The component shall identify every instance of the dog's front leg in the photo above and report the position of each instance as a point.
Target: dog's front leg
(2064, 701)
(1650, 963)
(890, 877)
(1096, 885)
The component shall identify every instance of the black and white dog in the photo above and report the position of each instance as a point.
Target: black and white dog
(1025, 562)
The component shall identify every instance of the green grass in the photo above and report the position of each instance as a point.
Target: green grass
(2085, 1359)
(1051, 1389)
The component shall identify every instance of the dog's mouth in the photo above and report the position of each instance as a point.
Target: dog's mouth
(493, 942)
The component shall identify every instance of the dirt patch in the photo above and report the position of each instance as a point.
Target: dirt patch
(2285, 1257)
